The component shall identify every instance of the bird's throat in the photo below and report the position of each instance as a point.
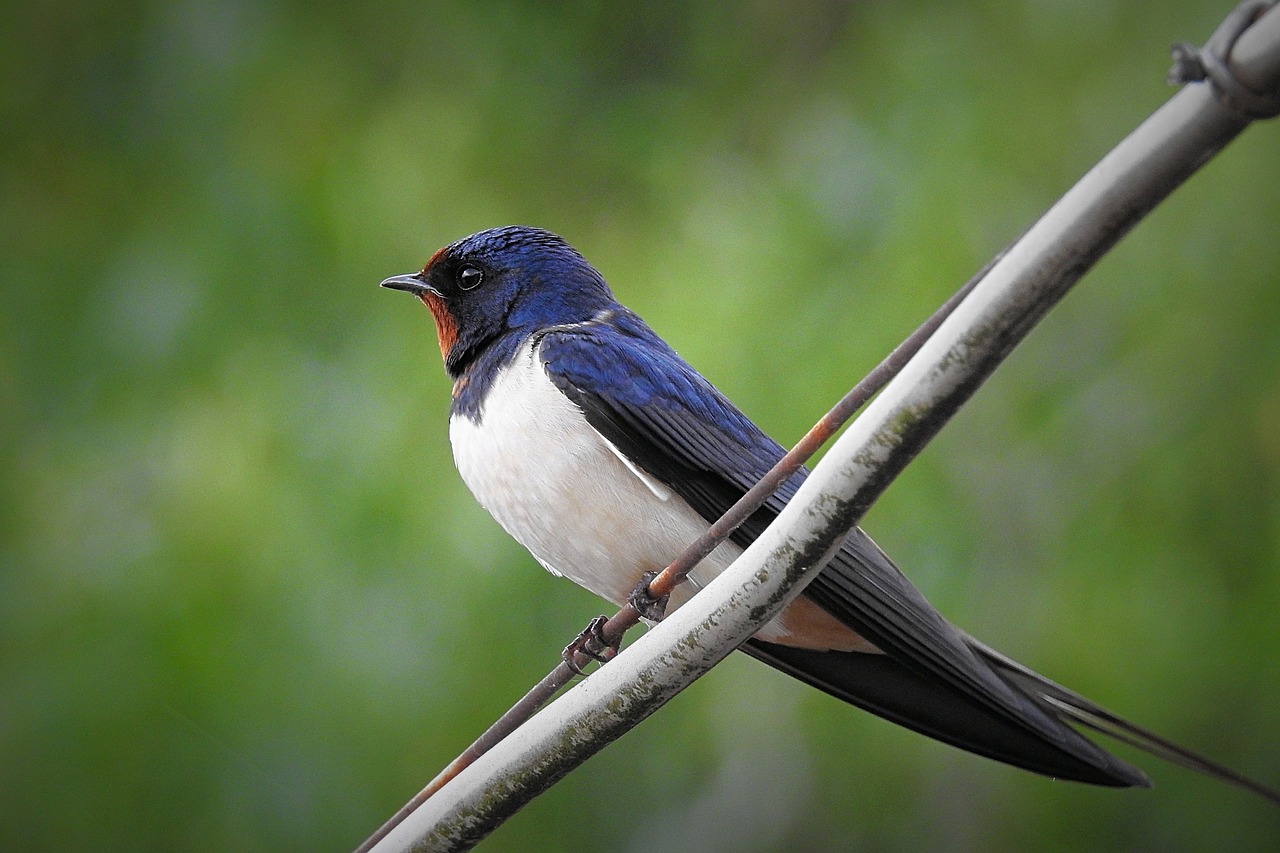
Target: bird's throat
(446, 326)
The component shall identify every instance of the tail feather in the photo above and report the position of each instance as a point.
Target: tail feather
(885, 687)
(1071, 706)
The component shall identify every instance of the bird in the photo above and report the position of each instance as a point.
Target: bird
(604, 453)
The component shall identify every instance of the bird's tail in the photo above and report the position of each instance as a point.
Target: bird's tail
(1072, 707)
(885, 687)
(1034, 738)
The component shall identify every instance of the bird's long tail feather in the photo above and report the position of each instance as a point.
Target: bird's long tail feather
(887, 688)
(1073, 707)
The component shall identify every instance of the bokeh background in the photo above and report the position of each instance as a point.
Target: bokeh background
(245, 602)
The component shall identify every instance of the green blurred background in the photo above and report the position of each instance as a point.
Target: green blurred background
(245, 602)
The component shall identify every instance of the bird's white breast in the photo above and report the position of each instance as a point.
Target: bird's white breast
(564, 493)
(584, 511)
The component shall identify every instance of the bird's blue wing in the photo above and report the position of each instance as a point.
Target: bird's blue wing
(661, 414)
(670, 422)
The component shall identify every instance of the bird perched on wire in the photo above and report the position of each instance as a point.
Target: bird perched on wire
(604, 453)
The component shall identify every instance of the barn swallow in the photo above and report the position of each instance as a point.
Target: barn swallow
(605, 454)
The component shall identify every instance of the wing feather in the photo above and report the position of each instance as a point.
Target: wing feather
(673, 424)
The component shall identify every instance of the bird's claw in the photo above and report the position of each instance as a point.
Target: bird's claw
(590, 642)
(643, 601)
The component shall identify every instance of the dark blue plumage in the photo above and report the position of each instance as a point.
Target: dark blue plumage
(486, 324)
(604, 453)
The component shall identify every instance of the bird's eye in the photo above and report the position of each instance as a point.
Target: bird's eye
(469, 277)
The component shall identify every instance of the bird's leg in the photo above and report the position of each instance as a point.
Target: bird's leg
(590, 642)
(643, 601)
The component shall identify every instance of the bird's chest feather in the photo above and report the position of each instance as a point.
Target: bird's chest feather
(561, 490)
(568, 496)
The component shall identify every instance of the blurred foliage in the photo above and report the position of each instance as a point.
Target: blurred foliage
(245, 602)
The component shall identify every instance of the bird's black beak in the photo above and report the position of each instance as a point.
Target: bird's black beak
(410, 283)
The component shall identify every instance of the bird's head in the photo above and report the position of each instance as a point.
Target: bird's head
(501, 281)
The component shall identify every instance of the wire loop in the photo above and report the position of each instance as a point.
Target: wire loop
(1193, 64)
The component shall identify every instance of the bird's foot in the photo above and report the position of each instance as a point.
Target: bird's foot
(590, 642)
(643, 601)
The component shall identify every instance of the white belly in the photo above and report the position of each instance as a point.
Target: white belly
(568, 496)
(565, 494)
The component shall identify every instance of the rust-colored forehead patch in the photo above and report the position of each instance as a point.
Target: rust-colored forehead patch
(434, 258)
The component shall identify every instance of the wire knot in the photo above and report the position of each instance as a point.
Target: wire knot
(1193, 64)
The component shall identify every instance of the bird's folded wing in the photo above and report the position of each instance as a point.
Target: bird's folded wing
(673, 424)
